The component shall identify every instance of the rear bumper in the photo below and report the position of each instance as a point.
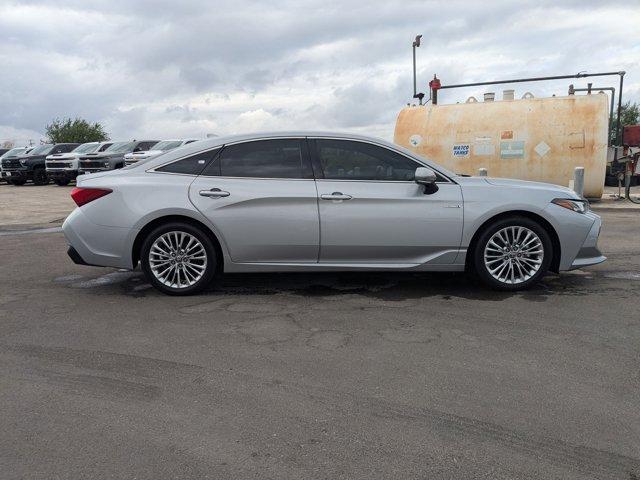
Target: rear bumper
(93, 244)
(75, 256)
(589, 254)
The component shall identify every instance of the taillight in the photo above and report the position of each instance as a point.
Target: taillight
(82, 196)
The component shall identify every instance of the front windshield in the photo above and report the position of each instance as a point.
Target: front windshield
(13, 152)
(41, 149)
(120, 147)
(167, 145)
(86, 148)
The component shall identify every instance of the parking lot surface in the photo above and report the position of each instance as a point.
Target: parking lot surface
(290, 376)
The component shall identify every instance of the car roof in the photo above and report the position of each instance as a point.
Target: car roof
(210, 143)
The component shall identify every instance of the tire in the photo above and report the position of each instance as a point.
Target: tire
(18, 183)
(40, 177)
(196, 273)
(503, 261)
(62, 183)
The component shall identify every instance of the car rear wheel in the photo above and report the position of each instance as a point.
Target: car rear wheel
(178, 259)
(513, 254)
(40, 177)
(62, 183)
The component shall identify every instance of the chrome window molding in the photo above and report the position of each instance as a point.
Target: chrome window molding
(315, 137)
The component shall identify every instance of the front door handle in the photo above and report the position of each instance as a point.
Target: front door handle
(214, 193)
(335, 196)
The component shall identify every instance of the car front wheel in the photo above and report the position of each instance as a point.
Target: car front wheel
(513, 254)
(178, 259)
(40, 177)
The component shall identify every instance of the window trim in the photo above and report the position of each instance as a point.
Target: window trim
(311, 158)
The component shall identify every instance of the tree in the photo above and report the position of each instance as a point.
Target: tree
(75, 131)
(629, 115)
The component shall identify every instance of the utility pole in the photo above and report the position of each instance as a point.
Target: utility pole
(416, 44)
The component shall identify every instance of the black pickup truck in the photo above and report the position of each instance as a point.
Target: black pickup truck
(31, 166)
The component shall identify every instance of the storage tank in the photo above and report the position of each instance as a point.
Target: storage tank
(538, 139)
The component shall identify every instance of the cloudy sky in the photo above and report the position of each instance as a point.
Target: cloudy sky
(187, 68)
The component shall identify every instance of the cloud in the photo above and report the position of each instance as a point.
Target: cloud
(167, 69)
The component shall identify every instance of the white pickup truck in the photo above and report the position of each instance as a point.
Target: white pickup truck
(62, 168)
(158, 149)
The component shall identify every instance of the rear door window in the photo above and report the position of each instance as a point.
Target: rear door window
(277, 158)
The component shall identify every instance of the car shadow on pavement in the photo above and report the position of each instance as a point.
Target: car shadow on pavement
(388, 286)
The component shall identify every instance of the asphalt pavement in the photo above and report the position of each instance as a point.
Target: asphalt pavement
(304, 376)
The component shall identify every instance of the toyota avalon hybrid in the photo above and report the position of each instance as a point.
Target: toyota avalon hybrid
(320, 202)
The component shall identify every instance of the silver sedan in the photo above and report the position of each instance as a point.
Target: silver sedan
(299, 201)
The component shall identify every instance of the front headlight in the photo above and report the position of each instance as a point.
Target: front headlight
(23, 162)
(580, 206)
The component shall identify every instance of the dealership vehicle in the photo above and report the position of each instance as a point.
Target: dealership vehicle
(62, 168)
(112, 157)
(319, 202)
(158, 149)
(31, 166)
(11, 153)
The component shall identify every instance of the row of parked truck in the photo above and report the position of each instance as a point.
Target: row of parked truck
(63, 162)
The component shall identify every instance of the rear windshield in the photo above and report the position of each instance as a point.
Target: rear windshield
(86, 148)
(120, 147)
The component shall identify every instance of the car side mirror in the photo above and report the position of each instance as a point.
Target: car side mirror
(427, 177)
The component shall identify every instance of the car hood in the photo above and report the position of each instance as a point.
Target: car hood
(63, 156)
(514, 183)
(145, 154)
(99, 156)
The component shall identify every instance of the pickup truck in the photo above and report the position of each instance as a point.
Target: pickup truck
(158, 149)
(62, 168)
(112, 157)
(12, 153)
(31, 166)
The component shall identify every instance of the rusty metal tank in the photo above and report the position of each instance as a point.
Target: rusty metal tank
(538, 139)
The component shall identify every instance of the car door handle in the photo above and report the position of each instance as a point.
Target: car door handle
(335, 196)
(214, 193)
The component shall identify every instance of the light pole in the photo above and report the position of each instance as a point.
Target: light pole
(419, 96)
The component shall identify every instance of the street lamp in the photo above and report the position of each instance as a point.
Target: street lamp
(419, 96)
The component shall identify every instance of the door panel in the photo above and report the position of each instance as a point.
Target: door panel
(389, 222)
(262, 220)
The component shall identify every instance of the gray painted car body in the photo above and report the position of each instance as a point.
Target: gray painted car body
(284, 224)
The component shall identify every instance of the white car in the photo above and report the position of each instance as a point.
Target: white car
(158, 149)
(63, 167)
(298, 201)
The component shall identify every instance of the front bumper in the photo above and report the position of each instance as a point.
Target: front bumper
(589, 254)
(84, 170)
(62, 174)
(17, 174)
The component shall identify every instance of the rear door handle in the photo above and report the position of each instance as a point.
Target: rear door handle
(214, 193)
(335, 196)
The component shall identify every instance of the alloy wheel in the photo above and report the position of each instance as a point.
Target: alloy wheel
(177, 259)
(513, 255)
